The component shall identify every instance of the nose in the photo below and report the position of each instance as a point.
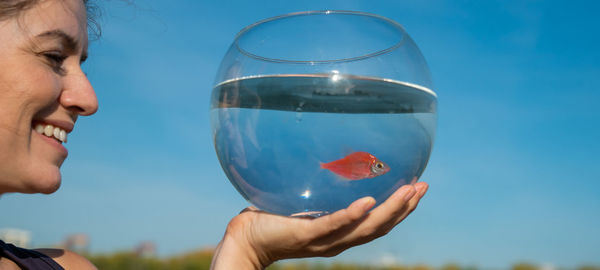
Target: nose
(78, 94)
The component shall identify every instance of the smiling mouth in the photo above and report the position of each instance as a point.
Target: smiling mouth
(51, 131)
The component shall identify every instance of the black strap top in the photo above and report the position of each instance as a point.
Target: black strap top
(28, 259)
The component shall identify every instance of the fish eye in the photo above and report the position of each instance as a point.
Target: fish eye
(379, 165)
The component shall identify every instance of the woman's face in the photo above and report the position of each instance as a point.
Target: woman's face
(42, 92)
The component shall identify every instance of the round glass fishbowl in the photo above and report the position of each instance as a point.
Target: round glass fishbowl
(313, 110)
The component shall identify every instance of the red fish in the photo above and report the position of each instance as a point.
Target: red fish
(356, 166)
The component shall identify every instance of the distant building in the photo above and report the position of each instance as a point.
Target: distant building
(17, 237)
(78, 243)
(145, 249)
(387, 260)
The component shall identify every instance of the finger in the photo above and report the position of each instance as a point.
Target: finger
(250, 208)
(330, 223)
(421, 189)
(253, 208)
(380, 220)
(394, 205)
(377, 223)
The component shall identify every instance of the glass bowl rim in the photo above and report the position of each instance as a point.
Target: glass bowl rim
(321, 12)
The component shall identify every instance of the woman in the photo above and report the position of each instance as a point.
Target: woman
(42, 93)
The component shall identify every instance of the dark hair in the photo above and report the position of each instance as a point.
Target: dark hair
(12, 8)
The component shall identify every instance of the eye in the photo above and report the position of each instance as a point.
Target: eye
(55, 60)
(379, 165)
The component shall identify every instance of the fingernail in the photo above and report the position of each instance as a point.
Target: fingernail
(409, 193)
(367, 203)
(422, 189)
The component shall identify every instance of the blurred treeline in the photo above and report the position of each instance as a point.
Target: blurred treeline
(201, 260)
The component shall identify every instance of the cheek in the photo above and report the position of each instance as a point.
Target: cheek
(43, 89)
(33, 84)
(22, 99)
(24, 167)
(39, 96)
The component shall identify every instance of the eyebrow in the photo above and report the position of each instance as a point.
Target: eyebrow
(68, 42)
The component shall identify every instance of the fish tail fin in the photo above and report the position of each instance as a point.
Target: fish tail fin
(323, 165)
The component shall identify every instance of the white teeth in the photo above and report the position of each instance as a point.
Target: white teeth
(62, 136)
(48, 130)
(52, 131)
(39, 128)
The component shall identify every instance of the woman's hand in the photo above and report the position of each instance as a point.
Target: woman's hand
(255, 239)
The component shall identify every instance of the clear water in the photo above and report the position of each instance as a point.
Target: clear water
(272, 132)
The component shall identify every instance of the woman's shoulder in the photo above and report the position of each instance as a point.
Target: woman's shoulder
(13, 257)
(6, 264)
(67, 259)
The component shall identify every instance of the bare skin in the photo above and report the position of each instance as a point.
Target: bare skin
(64, 258)
(8, 264)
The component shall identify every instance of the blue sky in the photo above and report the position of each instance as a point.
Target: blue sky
(514, 172)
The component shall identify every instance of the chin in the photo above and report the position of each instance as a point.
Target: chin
(50, 188)
(46, 184)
